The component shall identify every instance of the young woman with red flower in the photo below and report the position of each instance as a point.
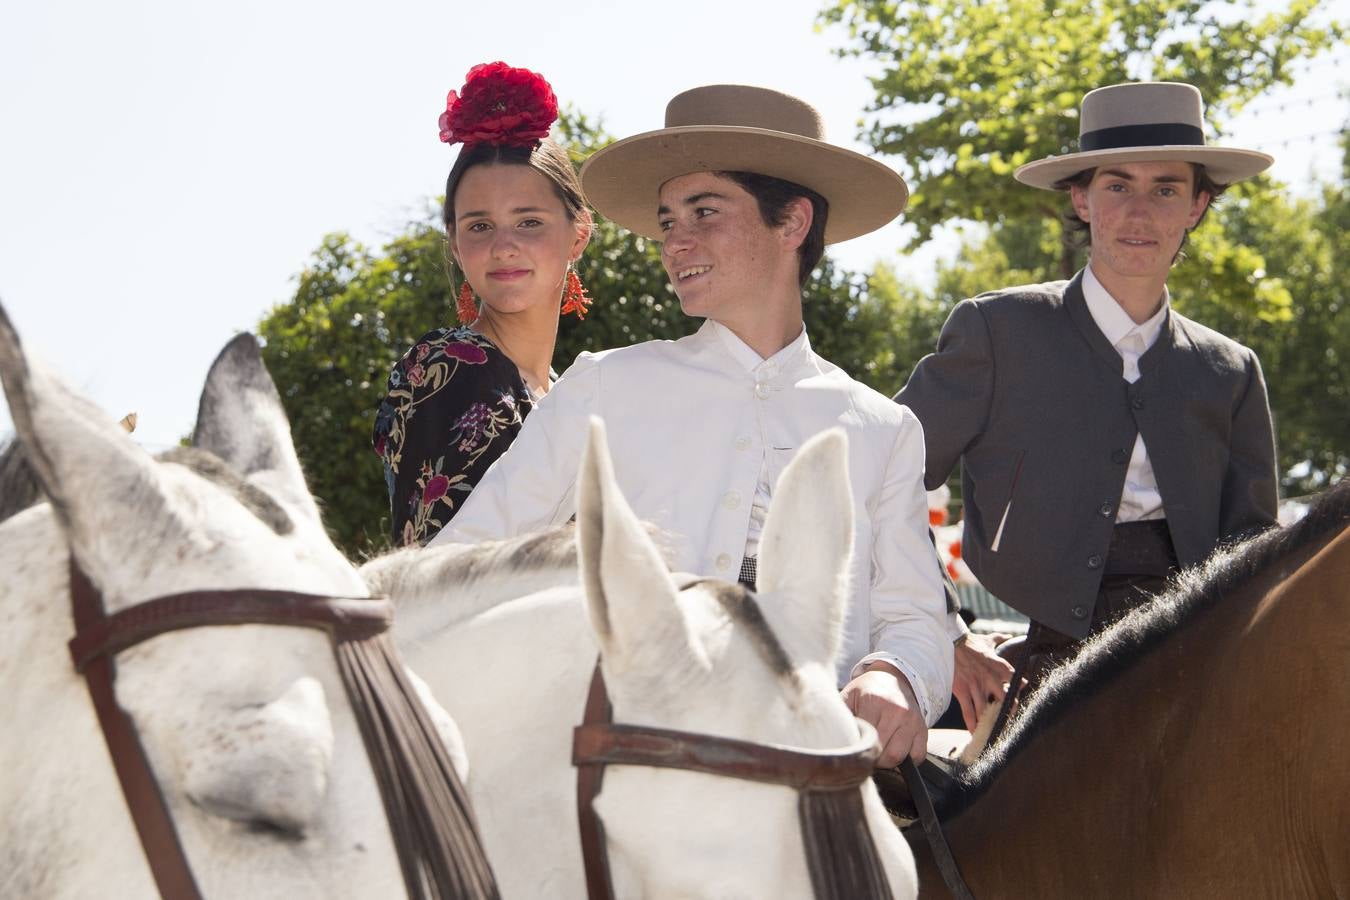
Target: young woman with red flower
(515, 222)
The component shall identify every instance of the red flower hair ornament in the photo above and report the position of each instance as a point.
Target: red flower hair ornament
(499, 104)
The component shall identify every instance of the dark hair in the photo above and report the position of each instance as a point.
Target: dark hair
(773, 196)
(545, 157)
(1078, 234)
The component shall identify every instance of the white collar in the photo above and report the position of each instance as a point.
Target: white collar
(1111, 317)
(751, 361)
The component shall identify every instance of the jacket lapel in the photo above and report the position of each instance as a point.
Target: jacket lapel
(1076, 306)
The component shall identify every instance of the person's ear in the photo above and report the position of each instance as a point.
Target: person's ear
(585, 227)
(1198, 207)
(1078, 197)
(797, 218)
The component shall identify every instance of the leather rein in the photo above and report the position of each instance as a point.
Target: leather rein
(842, 864)
(425, 803)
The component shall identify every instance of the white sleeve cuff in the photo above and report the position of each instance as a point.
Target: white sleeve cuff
(956, 626)
(929, 708)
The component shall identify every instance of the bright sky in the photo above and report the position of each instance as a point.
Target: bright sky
(167, 167)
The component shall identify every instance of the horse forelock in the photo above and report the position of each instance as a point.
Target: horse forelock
(20, 489)
(1219, 579)
(742, 607)
(250, 496)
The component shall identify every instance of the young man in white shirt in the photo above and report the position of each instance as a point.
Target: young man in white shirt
(743, 193)
(1104, 439)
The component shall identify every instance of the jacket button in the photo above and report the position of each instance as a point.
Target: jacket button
(731, 500)
(723, 562)
(762, 391)
(1106, 509)
(1137, 402)
(742, 443)
(1079, 612)
(1094, 561)
(1119, 457)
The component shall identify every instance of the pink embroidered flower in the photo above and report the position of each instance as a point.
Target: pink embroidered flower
(465, 352)
(416, 374)
(435, 489)
(421, 351)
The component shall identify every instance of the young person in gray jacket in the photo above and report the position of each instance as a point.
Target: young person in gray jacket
(1105, 440)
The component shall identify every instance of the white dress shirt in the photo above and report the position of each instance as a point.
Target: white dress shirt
(695, 427)
(1140, 498)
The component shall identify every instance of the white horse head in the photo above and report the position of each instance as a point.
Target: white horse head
(247, 728)
(679, 654)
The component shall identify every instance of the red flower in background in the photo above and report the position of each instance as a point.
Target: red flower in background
(499, 104)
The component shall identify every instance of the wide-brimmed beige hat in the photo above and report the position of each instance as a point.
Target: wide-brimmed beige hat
(736, 128)
(1144, 121)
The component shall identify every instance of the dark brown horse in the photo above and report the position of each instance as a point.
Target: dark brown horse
(1197, 749)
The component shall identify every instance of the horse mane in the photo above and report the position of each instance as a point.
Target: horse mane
(477, 576)
(1121, 646)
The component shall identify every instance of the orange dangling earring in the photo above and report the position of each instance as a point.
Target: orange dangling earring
(467, 306)
(575, 299)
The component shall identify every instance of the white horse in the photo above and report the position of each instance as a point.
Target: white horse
(514, 674)
(248, 728)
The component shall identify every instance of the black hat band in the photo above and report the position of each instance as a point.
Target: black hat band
(1125, 136)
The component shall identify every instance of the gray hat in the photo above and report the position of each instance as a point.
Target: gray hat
(1147, 121)
(735, 128)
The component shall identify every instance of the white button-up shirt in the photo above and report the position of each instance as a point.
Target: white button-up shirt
(1140, 498)
(695, 426)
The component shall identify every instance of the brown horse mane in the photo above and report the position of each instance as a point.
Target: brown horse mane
(1118, 648)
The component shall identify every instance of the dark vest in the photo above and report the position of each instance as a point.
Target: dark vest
(1027, 394)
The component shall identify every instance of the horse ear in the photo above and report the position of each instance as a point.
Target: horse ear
(85, 463)
(805, 550)
(630, 596)
(240, 419)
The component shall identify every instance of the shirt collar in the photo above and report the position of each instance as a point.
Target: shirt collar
(1111, 317)
(751, 361)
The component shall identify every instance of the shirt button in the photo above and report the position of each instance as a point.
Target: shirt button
(762, 391)
(1094, 561)
(1079, 612)
(1120, 457)
(731, 500)
(1137, 402)
(1106, 509)
(742, 443)
(723, 562)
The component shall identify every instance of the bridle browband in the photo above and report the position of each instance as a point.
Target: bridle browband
(426, 805)
(841, 856)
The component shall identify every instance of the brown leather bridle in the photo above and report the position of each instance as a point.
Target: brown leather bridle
(840, 853)
(426, 805)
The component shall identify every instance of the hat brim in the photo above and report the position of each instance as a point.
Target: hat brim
(623, 181)
(1223, 165)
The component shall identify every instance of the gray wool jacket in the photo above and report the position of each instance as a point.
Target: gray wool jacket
(1028, 395)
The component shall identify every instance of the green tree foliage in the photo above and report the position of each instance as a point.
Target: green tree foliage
(969, 90)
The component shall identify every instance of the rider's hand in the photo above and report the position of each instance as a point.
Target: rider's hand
(882, 696)
(981, 677)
